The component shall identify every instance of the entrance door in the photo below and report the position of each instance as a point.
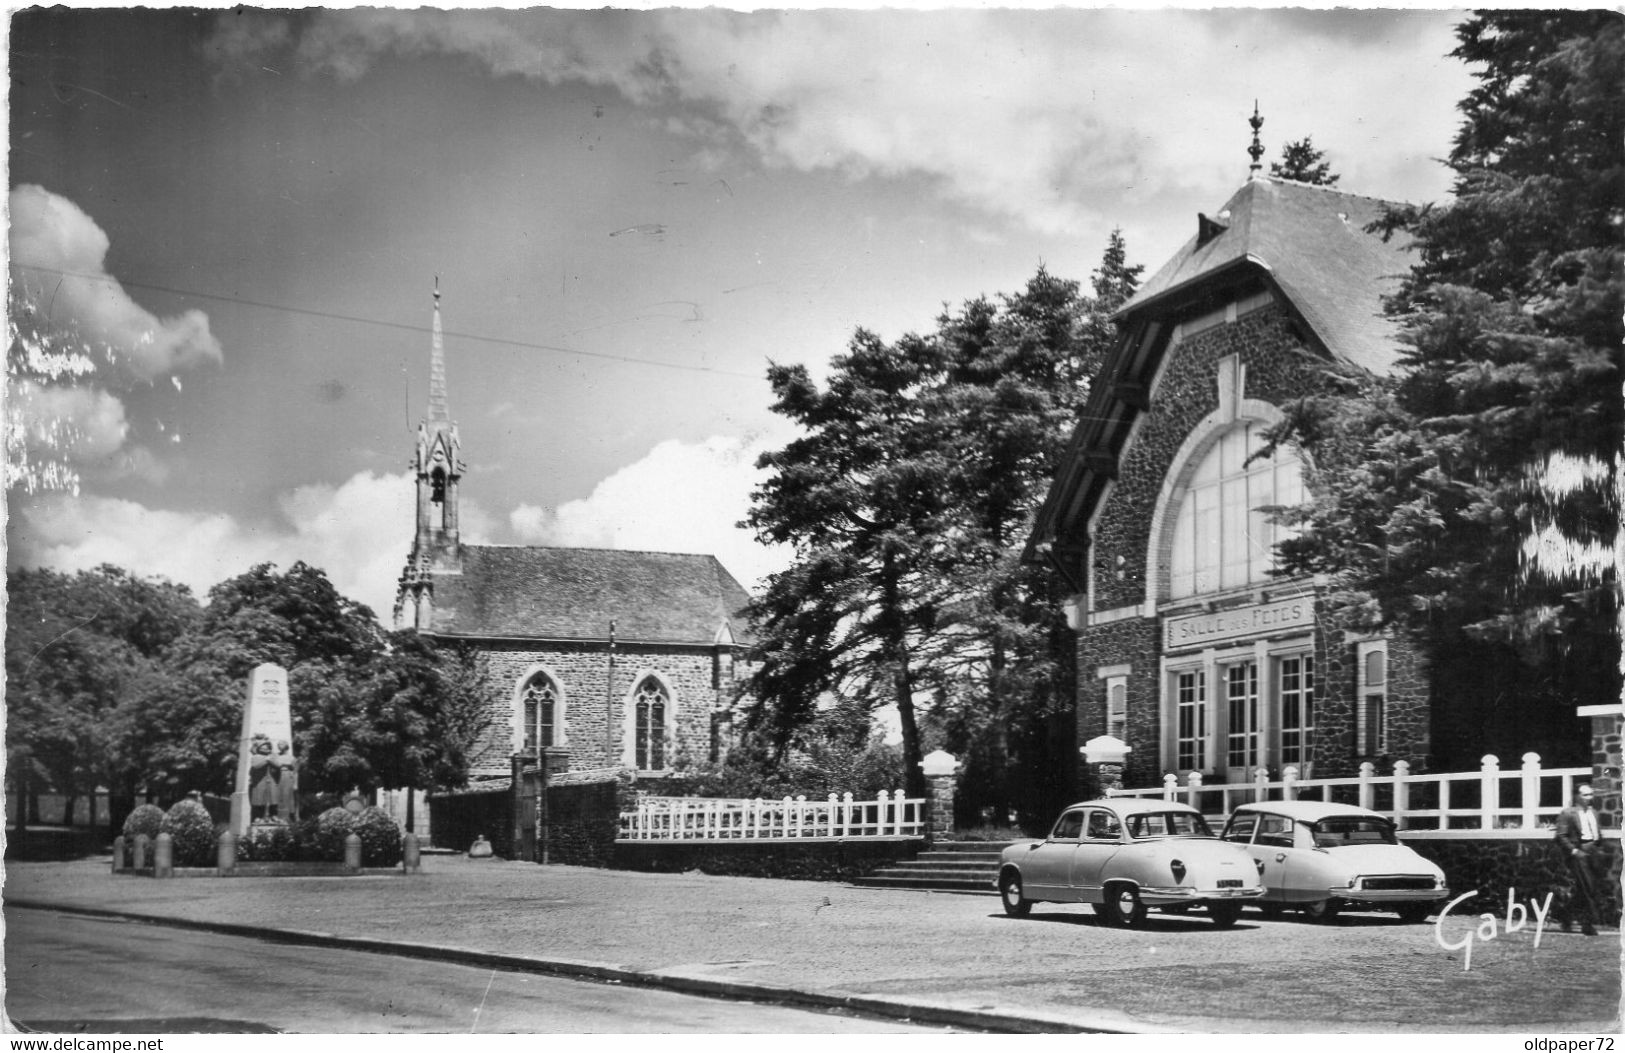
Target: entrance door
(1242, 735)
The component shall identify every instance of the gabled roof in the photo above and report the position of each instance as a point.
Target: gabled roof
(1307, 245)
(1312, 243)
(531, 592)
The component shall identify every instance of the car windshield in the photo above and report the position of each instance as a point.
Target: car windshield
(1168, 824)
(1353, 830)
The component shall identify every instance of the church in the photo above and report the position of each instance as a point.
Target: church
(594, 658)
(1189, 648)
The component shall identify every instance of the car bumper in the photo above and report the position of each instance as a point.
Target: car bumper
(1397, 895)
(1167, 897)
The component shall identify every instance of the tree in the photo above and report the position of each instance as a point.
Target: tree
(1471, 499)
(1302, 162)
(855, 498)
(425, 711)
(179, 727)
(907, 504)
(75, 646)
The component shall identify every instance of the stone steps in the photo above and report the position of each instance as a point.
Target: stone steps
(951, 866)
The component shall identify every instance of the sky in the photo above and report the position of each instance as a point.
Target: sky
(242, 215)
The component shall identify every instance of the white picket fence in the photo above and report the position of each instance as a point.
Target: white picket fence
(725, 819)
(1526, 798)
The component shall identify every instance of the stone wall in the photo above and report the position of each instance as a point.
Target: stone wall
(1186, 392)
(1529, 866)
(1133, 642)
(582, 821)
(810, 861)
(581, 672)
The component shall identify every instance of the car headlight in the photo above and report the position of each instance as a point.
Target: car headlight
(1259, 863)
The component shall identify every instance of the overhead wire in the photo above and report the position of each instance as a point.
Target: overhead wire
(404, 326)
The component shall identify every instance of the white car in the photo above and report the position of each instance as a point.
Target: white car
(1124, 856)
(1323, 858)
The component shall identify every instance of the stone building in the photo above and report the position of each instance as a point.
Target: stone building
(1188, 648)
(602, 658)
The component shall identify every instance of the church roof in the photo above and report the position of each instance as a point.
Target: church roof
(1312, 243)
(573, 593)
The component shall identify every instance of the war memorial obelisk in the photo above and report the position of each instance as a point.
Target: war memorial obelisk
(267, 777)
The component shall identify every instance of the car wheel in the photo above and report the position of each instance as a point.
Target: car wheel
(1123, 907)
(1015, 905)
(1224, 915)
(1321, 911)
(1415, 913)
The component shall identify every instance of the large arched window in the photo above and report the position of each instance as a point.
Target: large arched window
(1221, 538)
(651, 704)
(541, 712)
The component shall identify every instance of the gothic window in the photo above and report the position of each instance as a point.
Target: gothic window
(541, 706)
(651, 704)
(437, 487)
(1222, 539)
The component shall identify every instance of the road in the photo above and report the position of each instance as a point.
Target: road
(92, 975)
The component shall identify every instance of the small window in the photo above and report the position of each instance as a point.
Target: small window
(1117, 707)
(1241, 828)
(1371, 700)
(1068, 828)
(1103, 826)
(1274, 831)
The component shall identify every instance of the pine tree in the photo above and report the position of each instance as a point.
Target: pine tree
(1471, 499)
(908, 504)
(1302, 162)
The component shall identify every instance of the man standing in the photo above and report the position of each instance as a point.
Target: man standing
(1579, 835)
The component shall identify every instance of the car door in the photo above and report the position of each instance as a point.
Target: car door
(1102, 839)
(1044, 868)
(1273, 845)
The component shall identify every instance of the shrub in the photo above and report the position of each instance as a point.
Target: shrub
(267, 844)
(146, 819)
(380, 838)
(327, 839)
(191, 832)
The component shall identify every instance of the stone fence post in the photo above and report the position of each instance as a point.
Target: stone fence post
(939, 767)
(163, 856)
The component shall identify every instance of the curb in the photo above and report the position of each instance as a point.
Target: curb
(866, 1005)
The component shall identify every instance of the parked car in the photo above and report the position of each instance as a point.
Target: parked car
(1324, 858)
(1125, 856)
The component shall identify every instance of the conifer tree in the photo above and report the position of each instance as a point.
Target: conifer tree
(1472, 498)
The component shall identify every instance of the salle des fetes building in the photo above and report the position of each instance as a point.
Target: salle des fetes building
(1189, 649)
(605, 658)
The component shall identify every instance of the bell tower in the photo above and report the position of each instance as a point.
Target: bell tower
(437, 463)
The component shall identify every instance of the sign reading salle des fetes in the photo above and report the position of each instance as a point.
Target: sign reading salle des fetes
(1259, 619)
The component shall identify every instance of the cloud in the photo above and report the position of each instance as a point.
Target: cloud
(1032, 115)
(359, 532)
(76, 340)
(681, 497)
(62, 255)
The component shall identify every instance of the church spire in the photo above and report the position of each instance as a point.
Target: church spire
(437, 463)
(438, 405)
